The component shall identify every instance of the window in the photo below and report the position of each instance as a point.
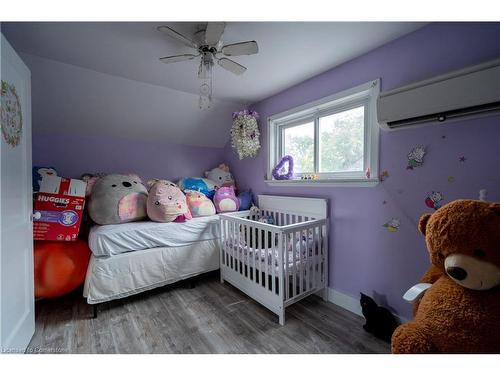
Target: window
(334, 139)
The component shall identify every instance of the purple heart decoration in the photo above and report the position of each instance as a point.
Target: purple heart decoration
(278, 173)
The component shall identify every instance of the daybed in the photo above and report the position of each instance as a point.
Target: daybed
(131, 258)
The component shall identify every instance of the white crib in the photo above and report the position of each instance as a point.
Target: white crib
(277, 264)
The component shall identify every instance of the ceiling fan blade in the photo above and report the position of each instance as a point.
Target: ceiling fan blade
(232, 66)
(174, 34)
(214, 32)
(239, 49)
(177, 58)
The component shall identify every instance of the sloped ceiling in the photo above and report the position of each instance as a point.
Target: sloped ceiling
(69, 99)
(105, 78)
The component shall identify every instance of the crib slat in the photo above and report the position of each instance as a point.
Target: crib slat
(233, 255)
(261, 264)
(273, 268)
(321, 258)
(286, 279)
(241, 247)
(237, 247)
(325, 257)
(246, 268)
(228, 238)
(266, 262)
(228, 243)
(223, 241)
(307, 272)
(314, 257)
(302, 265)
(294, 264)
(255, 253)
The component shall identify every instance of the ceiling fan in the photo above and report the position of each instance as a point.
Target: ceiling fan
(208, 44)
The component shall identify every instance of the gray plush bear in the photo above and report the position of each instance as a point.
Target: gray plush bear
(116, 199)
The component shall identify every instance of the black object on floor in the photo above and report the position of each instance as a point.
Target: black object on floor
(379, 321)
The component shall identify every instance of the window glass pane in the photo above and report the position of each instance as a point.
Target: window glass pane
(298, 141)
(341, 141)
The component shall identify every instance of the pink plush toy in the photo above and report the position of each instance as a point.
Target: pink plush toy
(166, 202)
(225, 200)
(199, 204)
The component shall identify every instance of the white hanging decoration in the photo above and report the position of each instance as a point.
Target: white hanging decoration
(245, 135)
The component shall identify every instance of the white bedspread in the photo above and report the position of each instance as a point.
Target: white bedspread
(134, 272)
(107, 240)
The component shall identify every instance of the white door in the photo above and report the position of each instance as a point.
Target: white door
(17, 304)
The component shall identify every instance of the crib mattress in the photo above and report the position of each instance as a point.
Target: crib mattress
(134, 272)
(109, 240)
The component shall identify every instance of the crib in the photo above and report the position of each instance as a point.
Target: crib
(278, 263)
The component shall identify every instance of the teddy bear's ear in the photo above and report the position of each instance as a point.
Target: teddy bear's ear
(90, 185)
(495, 207)
(134, 176)
(224, 167)
(422, 224)
(150, 183)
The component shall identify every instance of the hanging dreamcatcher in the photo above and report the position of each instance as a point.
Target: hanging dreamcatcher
(245, 134)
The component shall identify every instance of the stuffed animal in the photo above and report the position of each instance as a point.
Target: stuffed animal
(246, 199)
(203, 185)
(166, 202)
(38, 173)
(90, 179)
(221, 176)
(199, 204)
(459, 312)
(116, 199)
(225, 200)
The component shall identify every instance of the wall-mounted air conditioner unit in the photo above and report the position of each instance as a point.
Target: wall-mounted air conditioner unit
(464, 92)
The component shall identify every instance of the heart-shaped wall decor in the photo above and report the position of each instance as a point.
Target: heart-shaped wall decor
(279, 170)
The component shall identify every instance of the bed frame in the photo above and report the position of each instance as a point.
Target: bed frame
(300, 227)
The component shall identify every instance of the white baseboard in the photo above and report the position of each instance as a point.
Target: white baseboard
(350, 303)
(345, 301)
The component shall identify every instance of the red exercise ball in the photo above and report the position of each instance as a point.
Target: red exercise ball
(60, 267)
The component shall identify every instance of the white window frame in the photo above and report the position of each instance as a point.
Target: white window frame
(365, 94)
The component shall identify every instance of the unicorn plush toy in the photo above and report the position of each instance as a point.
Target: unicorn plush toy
(221, 176)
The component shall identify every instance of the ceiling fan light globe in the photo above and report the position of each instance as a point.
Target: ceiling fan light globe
(204, 102)
(205, 89)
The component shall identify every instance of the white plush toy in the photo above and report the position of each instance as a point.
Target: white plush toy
(221, 176)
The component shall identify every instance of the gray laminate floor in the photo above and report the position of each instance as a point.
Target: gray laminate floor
(210, 318)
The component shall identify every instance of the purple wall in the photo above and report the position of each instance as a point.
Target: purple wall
(73, 155)
(364, 256)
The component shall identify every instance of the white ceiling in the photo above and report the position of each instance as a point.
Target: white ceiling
(290, 52)
(72, 100)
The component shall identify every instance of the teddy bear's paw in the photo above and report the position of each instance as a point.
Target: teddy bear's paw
(409, 338)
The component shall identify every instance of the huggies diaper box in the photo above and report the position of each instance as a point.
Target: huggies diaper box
(58, 209)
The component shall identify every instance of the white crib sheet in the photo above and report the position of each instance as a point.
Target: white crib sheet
(262, 258)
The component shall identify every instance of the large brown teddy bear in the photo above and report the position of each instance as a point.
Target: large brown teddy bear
(460, 312)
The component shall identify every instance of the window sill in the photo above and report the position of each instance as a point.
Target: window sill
(362, 182)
